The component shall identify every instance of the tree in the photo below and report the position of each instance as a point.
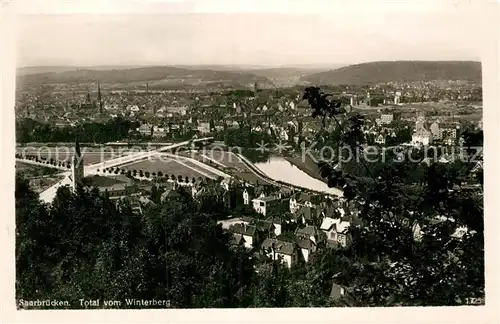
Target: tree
(410, 268)
(31, 241)
(271, 286)
(106, 251)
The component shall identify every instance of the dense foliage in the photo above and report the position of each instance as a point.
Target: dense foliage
(83, 246)
(244, 137)
(392, 262)
(29, 130)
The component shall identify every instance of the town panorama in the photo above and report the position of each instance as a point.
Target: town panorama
(223, 187)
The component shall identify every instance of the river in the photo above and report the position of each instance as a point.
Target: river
(280, 169)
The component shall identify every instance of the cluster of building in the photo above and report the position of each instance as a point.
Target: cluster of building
(444, 133)
(292, 226)
(280, 222)
(164, 113)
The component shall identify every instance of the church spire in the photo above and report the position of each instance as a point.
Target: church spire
(99, 96)
(77, 147)
(77, 170)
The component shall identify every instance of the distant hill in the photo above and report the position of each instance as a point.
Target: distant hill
(284, 76)
(290, 75)
(165, 74)
(58, 69)
(398, 71)
(279, 76)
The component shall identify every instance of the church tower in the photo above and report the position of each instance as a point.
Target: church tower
(77, 171)
(99, 97)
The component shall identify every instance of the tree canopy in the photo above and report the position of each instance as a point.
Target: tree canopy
(28, 130)
(406, 252)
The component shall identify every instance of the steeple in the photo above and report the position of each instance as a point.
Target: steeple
(77, 171)
(99, 97)
(77, 148)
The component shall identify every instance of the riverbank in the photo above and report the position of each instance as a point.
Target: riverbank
(308, 166)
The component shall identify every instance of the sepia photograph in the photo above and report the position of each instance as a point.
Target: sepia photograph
(189, 159)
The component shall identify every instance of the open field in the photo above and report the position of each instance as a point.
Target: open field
(169, 166)
(30, 170)
(20, 166)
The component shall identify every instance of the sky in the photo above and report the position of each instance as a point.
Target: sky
(342, 33)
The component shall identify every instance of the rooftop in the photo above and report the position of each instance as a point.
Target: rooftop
(281, 247)
(243, 229)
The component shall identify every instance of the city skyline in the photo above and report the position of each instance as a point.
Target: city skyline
(253, 39)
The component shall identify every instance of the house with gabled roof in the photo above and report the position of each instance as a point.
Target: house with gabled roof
(421, 137)
(380, 139)
(308, 215)
(335, 230)
(266, 205)
(303, 199)
(248, 194)
(237, 240)
(308, 239)
(116, 186)
(279, 249)
(138, 203)
(244, 232)
(276, 225)
(169, 194)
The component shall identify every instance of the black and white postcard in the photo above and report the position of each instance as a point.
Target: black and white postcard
(257, 161)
